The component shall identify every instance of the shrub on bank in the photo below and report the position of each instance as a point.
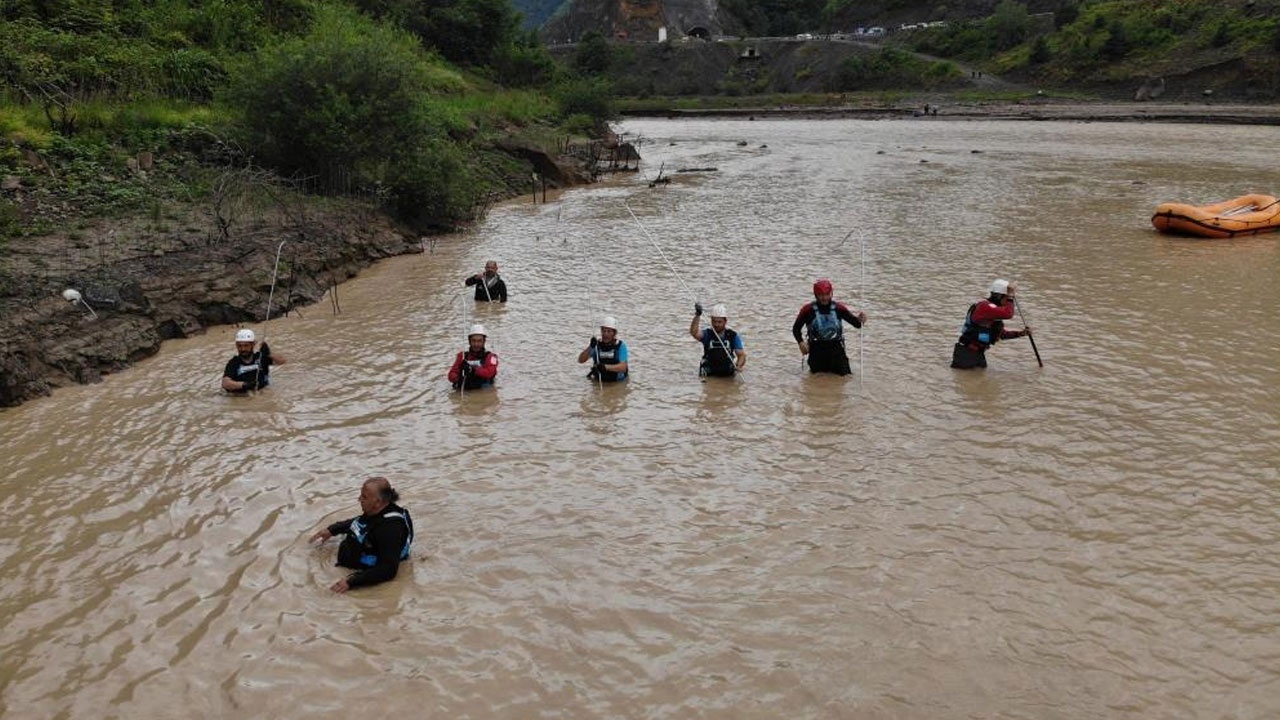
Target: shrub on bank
(349, 104)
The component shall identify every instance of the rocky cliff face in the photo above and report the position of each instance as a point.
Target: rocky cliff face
(892, 13)
(638, 20)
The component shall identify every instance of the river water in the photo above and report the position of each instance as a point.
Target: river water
(1092, 539)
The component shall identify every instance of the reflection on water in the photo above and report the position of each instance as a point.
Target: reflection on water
(1091, 539)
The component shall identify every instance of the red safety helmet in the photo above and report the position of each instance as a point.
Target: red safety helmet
(822, 287)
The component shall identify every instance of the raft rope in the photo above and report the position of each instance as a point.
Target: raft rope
(275, 271)
(658, 247)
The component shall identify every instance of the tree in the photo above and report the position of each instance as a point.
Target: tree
(524, 63)
(467, 32)
(594, 54)
(1010, 23)
(1117, 44)
(1040, 51)
(349, 92)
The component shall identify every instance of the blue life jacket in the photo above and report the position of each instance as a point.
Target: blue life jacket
(825, 326)
(359, 530)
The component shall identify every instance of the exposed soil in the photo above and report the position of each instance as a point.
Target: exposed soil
(178, 271)
(176, 287)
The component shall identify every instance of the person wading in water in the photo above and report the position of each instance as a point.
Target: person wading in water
(984, 326)
(823, 320)
(722, 351)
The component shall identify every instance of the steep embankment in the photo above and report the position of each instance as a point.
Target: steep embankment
(167, 286)
(173, 273)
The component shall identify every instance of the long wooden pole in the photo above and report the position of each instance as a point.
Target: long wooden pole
(1030, 337)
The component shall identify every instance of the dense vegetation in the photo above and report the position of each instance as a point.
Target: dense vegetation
(396, 100)
(536, 12)
(402, 100)
(1113, 41)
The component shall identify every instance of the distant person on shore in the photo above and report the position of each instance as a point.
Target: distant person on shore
(376, 541)
(249, 369)
(475, 367)
(984, 326)
(489, 285)
(608, 354)
(823, 320)
(722, 351)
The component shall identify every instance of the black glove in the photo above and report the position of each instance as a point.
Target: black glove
(593, 342)
(697, 309)
(598, 368)
(468, 369)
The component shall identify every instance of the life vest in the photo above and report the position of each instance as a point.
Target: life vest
(717, 353)
(360, 531)
(607, 354)
(825, 326)
(983, 334)
(476, 362)
(469, 358)
(256, 372)
(487, 287)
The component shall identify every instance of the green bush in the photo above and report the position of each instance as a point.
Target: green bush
(191, 74)
(347, 94)
(593, 56)
(592, 97)
(433, 186)
(890, 68)
(467, 32)
(524, 65)
(10, 220)
(580, 124)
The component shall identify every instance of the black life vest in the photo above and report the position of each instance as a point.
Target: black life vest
(360, 538)
(983, 334)
(718, 357)
(256, 372)
(607, 354)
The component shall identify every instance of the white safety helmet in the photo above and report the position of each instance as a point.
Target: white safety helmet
(609, 321)
(477, 329)
(244, 335)
(719, 311)
(1000, 287)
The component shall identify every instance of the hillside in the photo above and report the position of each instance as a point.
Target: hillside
(535, 13)
(1194, 49)
(153, 156)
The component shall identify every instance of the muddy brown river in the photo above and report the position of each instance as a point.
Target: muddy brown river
(1096, 538)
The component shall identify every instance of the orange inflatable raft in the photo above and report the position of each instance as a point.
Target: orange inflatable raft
(1245, 215)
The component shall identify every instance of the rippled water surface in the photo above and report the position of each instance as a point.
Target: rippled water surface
(1092, 539)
